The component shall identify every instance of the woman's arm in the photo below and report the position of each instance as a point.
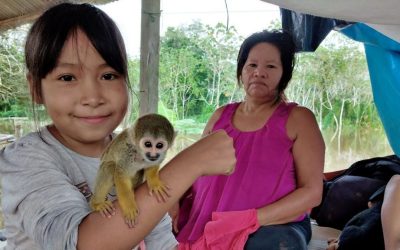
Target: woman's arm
(308, 154)
(214, 154)
(391, 214)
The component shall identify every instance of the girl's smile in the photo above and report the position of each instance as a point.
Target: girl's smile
(93, 119)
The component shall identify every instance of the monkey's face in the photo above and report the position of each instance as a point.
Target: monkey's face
(153, 150)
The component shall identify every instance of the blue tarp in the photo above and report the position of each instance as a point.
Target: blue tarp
(383, 58)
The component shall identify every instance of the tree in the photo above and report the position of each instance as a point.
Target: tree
(197, 67)
(180, 64)
(334, 82)
(13, 90)
(221, 46)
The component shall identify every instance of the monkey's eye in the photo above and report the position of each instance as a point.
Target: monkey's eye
(159, 145)
(147, 144)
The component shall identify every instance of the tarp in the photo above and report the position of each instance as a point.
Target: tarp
(383, 58)
(378, 27)
(383, 15)
(308, 30)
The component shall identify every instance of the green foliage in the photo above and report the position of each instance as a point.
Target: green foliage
(14, 110)
(189, 126)
(134, 76)
(197, 67)
(205, 114)
(165, 111)
(13, 90)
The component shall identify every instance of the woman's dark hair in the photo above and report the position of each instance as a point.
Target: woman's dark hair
(286, 46)
(50, 31)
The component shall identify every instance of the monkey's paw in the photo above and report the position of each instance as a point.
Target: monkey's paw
(159, 189)
(105, 208)
(131, 217)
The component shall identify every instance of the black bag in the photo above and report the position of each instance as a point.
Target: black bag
(363, 231)
(348, 194)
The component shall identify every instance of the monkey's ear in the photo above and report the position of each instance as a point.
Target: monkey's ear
(36, 98)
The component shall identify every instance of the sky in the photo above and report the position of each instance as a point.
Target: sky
(248, 16)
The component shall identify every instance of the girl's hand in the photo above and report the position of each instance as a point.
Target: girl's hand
(216, 154)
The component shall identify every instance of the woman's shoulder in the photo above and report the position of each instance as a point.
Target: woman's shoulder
(227, 107)
(220, 110)
(217, 113)
(300, 112)
(301, 119)
(215, 117)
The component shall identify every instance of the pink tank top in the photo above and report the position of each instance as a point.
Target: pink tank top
(264, 173)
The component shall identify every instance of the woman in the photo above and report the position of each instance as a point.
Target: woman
(279, 150)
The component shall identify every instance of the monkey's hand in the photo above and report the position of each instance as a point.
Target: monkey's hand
(105, 208)
(126, 198)
(156, 186)
(130, 213)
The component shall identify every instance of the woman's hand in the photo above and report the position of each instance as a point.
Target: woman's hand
(174, 214)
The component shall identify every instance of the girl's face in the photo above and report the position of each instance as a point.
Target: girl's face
(262, 72)
(85, 98)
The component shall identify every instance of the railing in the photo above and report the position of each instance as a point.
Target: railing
(17, 129)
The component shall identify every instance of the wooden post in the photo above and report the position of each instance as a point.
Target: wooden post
(149, 56)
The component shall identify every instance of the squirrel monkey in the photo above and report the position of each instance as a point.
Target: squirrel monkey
(136, 151)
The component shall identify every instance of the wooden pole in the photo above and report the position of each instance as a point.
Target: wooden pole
(149, 56)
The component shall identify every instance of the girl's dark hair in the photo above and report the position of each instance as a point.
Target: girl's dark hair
(286, 46)
(49, 32)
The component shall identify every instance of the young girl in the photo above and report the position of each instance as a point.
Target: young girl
(77, 69)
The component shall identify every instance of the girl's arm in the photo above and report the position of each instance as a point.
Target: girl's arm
(211, 155)
(308, 154)
(174, 211)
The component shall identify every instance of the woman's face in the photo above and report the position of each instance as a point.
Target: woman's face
(262, 72)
